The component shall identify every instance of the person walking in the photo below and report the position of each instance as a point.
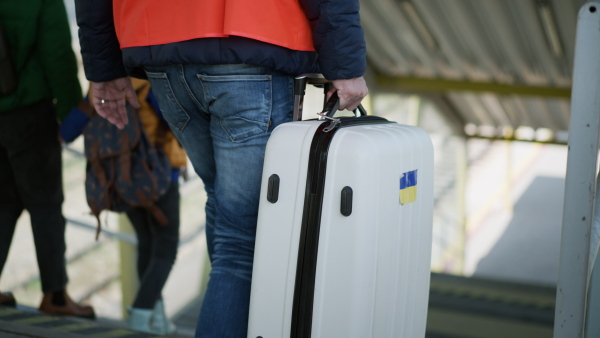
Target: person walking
(157, 244)
(39, 85)
(222, 72)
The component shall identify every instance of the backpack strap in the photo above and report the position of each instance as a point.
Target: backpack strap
(150, 206)
(96, 213)
(125, 158)
(87, 108)
(99, 227)
(94, 160)
(100, 174)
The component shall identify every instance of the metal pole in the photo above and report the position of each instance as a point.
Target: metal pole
(128, 266)
(461, 193)
(508, 187)
(580, 183)
(592, 327)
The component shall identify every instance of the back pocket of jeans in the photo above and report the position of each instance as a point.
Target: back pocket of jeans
(172, 111)
(241, 103)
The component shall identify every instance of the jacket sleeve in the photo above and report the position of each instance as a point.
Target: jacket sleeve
(100, 51)
(58, 61)
(73, 124)
(338, 37)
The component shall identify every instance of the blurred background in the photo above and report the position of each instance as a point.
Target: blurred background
(491, 83)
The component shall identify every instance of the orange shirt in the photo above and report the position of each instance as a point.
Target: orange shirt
(156, 22)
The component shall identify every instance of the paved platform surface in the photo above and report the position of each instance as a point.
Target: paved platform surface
(27, 322)
(458, 307)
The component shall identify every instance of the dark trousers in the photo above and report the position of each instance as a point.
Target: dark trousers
(157, 247)
(31, 179)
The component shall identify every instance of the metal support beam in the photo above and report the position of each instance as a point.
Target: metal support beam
(400, 83)
(462, 164)
(580, 183)
(512, 138)
(592, 325)
(128, 266)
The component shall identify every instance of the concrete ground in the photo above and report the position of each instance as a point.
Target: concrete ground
(514, 234)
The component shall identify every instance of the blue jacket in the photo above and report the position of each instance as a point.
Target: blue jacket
(337, 36)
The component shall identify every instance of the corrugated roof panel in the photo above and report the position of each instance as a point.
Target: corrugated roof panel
(493, 105)
(517, 42)
(471, 109)
(381, 48)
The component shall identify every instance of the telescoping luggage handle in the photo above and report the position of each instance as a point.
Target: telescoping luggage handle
(330, 107)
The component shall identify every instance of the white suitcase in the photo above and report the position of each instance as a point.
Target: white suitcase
(343, 244)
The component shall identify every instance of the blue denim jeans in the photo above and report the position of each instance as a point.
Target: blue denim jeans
(223, 116)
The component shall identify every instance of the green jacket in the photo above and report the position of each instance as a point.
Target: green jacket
(39, 40)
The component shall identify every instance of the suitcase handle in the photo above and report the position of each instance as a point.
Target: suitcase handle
(332, 105)
(318, 80)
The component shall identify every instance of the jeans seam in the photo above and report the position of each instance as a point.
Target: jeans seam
(189, 90)
(206, 98)
(180, 125)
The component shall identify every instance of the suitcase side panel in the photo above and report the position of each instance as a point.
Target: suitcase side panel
(278, 230)
(373, 266)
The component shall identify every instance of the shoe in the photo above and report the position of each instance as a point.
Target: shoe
(141, 320)
(7, 299)
(65, 306)
(160, 320)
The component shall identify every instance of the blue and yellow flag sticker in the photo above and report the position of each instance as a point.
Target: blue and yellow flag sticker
(408, 187)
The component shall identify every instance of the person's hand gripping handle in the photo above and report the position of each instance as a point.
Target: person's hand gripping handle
(350, 91)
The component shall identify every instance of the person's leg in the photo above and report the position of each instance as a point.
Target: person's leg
(242, 104)
(139, 218)
(36, 162)
(35, 156)
(245, 110)
(179, 99)
(163, 243)
(11, 205)
(10, 201)
(10, 209)
(157, 250)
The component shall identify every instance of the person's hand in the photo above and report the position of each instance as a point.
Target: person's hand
(109, 100)
(350, 91)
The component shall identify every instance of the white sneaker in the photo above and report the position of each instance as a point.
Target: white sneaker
(160, 320)
(141, 320)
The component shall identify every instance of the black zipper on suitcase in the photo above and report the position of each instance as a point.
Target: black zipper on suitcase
(302, 308)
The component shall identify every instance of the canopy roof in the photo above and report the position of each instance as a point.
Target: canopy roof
(497, 68)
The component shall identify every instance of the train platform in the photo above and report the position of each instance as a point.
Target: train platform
(458, 307)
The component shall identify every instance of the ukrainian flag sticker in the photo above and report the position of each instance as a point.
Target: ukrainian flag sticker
(408, 187)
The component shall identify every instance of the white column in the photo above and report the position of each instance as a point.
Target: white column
(580, 185)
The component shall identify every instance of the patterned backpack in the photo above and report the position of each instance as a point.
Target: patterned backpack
(124, 169)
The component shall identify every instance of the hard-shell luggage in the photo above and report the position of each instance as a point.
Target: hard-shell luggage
(343, 244)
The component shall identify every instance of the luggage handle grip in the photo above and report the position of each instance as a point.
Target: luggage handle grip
(332, 105)
(317, 79)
